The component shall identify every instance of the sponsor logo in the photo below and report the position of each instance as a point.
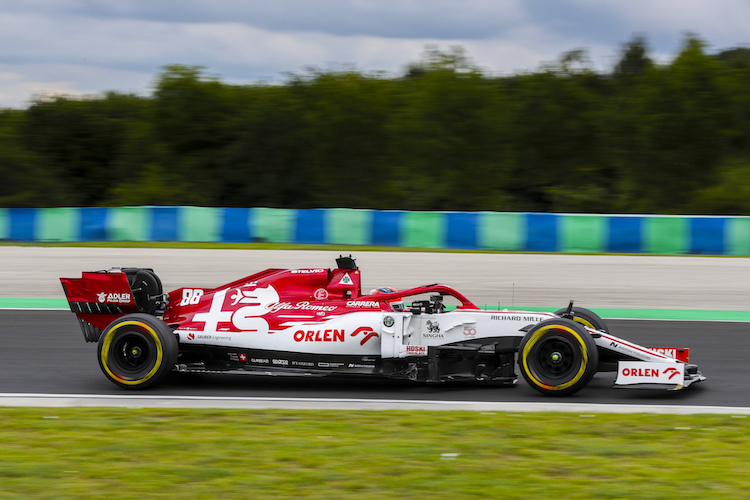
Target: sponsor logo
(303, 363)
(238, 356)
(416, 350)
(309, 271)
(250, 297)
(470, 331)
(433, 327)
(319, 336)
(679, 353)
(367, 332)
(372, 304)
(433, 336)
(113, 298)
(357, 365)
(246, 318)
(628, 350)
(323, 364)
(640, 372)
(191, 336)
(508, 317)
(260, 361)
(388, 321)
(650, 372)
(283, 362)
(346, 280)
(320, 294)
(671, 352)
(299, 306)
(208, 336)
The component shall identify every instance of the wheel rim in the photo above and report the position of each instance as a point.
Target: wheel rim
(133, 353)
(555, 357)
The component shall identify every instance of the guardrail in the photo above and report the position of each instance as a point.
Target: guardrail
(502, 231)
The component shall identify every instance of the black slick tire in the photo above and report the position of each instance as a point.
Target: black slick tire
(137, 351)
(558, 357)
(586, 317)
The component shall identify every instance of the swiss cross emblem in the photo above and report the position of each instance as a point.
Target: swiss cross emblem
(242, 356)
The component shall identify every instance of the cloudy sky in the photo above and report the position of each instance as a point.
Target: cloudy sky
(91, 46)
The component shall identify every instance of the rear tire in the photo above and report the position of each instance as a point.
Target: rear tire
(558, 357)
(586, 317)
(137, 351)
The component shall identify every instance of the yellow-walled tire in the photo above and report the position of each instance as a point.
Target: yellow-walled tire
(558, 357)
(586, 317)
(137, 351)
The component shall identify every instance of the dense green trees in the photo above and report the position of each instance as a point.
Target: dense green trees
(643, 138)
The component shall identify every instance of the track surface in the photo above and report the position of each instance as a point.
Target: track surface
(44, 352)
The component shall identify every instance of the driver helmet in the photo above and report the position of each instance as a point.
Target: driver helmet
(396, 304)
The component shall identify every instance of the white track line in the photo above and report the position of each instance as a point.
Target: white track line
(147, 401)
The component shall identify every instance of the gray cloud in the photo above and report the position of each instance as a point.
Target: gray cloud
(85, 46)
(443, 19)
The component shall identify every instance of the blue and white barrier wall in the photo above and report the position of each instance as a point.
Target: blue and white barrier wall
(532, 232)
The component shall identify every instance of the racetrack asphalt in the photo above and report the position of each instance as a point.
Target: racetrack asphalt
(43, 352)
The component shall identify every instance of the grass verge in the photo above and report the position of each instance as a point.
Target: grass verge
(174, 453)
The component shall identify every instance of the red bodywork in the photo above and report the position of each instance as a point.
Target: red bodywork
(101, 297)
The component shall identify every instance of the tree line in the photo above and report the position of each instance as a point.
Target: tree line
(642, 137)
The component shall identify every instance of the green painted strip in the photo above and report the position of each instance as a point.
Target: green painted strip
(199, 224)
(423, 229)
(674, 314)
(666, 235)
(738, 236)
(59, 224)
(583, 233)
(4, 224)
(272, 225)
(501, 231)
(348, 226)
(129, 223)
(662, 314)
(6, 303)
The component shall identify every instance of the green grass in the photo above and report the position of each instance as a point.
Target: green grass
(174, 453)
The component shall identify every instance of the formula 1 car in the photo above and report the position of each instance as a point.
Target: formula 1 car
(317, 322)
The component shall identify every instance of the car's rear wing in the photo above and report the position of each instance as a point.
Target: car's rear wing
(97, 298)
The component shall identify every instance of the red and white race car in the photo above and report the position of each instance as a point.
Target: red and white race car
(317, 322)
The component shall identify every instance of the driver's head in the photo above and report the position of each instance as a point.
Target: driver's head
(396, 304)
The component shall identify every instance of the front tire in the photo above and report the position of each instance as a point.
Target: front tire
(586, 317)
(137, 351)
(558, 357)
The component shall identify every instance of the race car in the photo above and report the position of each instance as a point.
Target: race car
(317, 322)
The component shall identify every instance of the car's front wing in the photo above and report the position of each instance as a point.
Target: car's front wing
(642, 367)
